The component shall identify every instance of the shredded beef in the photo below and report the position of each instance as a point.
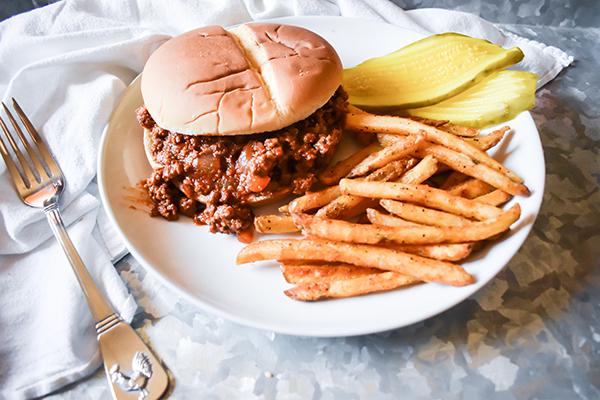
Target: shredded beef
(214, 178)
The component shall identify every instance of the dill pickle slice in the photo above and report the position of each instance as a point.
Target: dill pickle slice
(498, 98)
(425, 72)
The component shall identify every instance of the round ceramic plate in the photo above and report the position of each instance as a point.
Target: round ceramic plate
(201, 266)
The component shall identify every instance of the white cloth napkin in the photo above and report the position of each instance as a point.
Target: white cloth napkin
(67, 64)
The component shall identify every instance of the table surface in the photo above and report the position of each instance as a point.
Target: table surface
(533, 332)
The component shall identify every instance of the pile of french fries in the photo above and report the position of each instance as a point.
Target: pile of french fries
(398, 212)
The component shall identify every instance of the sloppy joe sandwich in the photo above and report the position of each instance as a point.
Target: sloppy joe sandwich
(235, 118)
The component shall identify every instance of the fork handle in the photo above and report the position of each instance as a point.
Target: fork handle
(120, 345)
(97, 303)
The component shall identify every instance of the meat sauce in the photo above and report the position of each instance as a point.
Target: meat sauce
(215, 179)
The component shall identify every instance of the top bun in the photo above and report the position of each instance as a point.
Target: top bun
(252, 78)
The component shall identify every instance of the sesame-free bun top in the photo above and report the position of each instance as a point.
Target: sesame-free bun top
(253, 78)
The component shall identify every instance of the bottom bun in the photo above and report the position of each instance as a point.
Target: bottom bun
(147, 135)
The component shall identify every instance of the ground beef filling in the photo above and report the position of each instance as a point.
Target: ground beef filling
(215, 179)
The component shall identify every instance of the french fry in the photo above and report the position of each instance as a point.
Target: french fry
(422, 215)
(420, 172)
(334, 173)
(488, 141)
(378, 159)
(464, 164)
(459, 130)
(448, 252)
(314, 200)
(371, 123)
(344, 231)
(445, 252)
(392, 170)
(428, 227)
(483, 143)
(387, 139)
(431, 122)
(453, 179)
(420, 268)
(447, 126)
(420, 194)
(335, 289)
(471, 188)
(495, 198)
(347, 206)
(378, 218)
(305, 272)
(274, 224)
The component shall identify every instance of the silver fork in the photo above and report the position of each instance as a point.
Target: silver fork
(131, 368)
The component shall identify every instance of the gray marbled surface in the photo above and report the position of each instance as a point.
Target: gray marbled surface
(532, 333)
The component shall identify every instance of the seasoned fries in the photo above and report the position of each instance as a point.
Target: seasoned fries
(420, 194)
(304, 272)
(371, 123)
(420, 268)
(495, 198)
(391, 171)
(274, 224)
(347, 206)
(332, 289)
(387, 139)
(427, 228)
(447, 126)
(459, 130)
(453, 179)
(421, 172)
(398, 150)
(483, 143)
(378, 218)
(464, 164)
(314, 200)
(422, 215)
(375, 234)
(447, 252)
(333, 174)
(471, 188)
(488, 141)
(431, 122)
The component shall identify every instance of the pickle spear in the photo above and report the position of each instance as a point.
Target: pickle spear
(498, 98)
(425, 72)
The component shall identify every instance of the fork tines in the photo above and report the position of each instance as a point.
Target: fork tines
(38, 164)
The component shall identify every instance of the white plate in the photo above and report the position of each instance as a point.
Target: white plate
(201, 266)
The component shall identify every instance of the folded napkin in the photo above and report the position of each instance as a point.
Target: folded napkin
(67, 64)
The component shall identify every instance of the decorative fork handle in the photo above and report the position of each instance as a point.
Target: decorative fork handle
(131, 368)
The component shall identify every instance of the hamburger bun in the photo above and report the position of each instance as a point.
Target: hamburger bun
(147, 146)
(253, 78)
